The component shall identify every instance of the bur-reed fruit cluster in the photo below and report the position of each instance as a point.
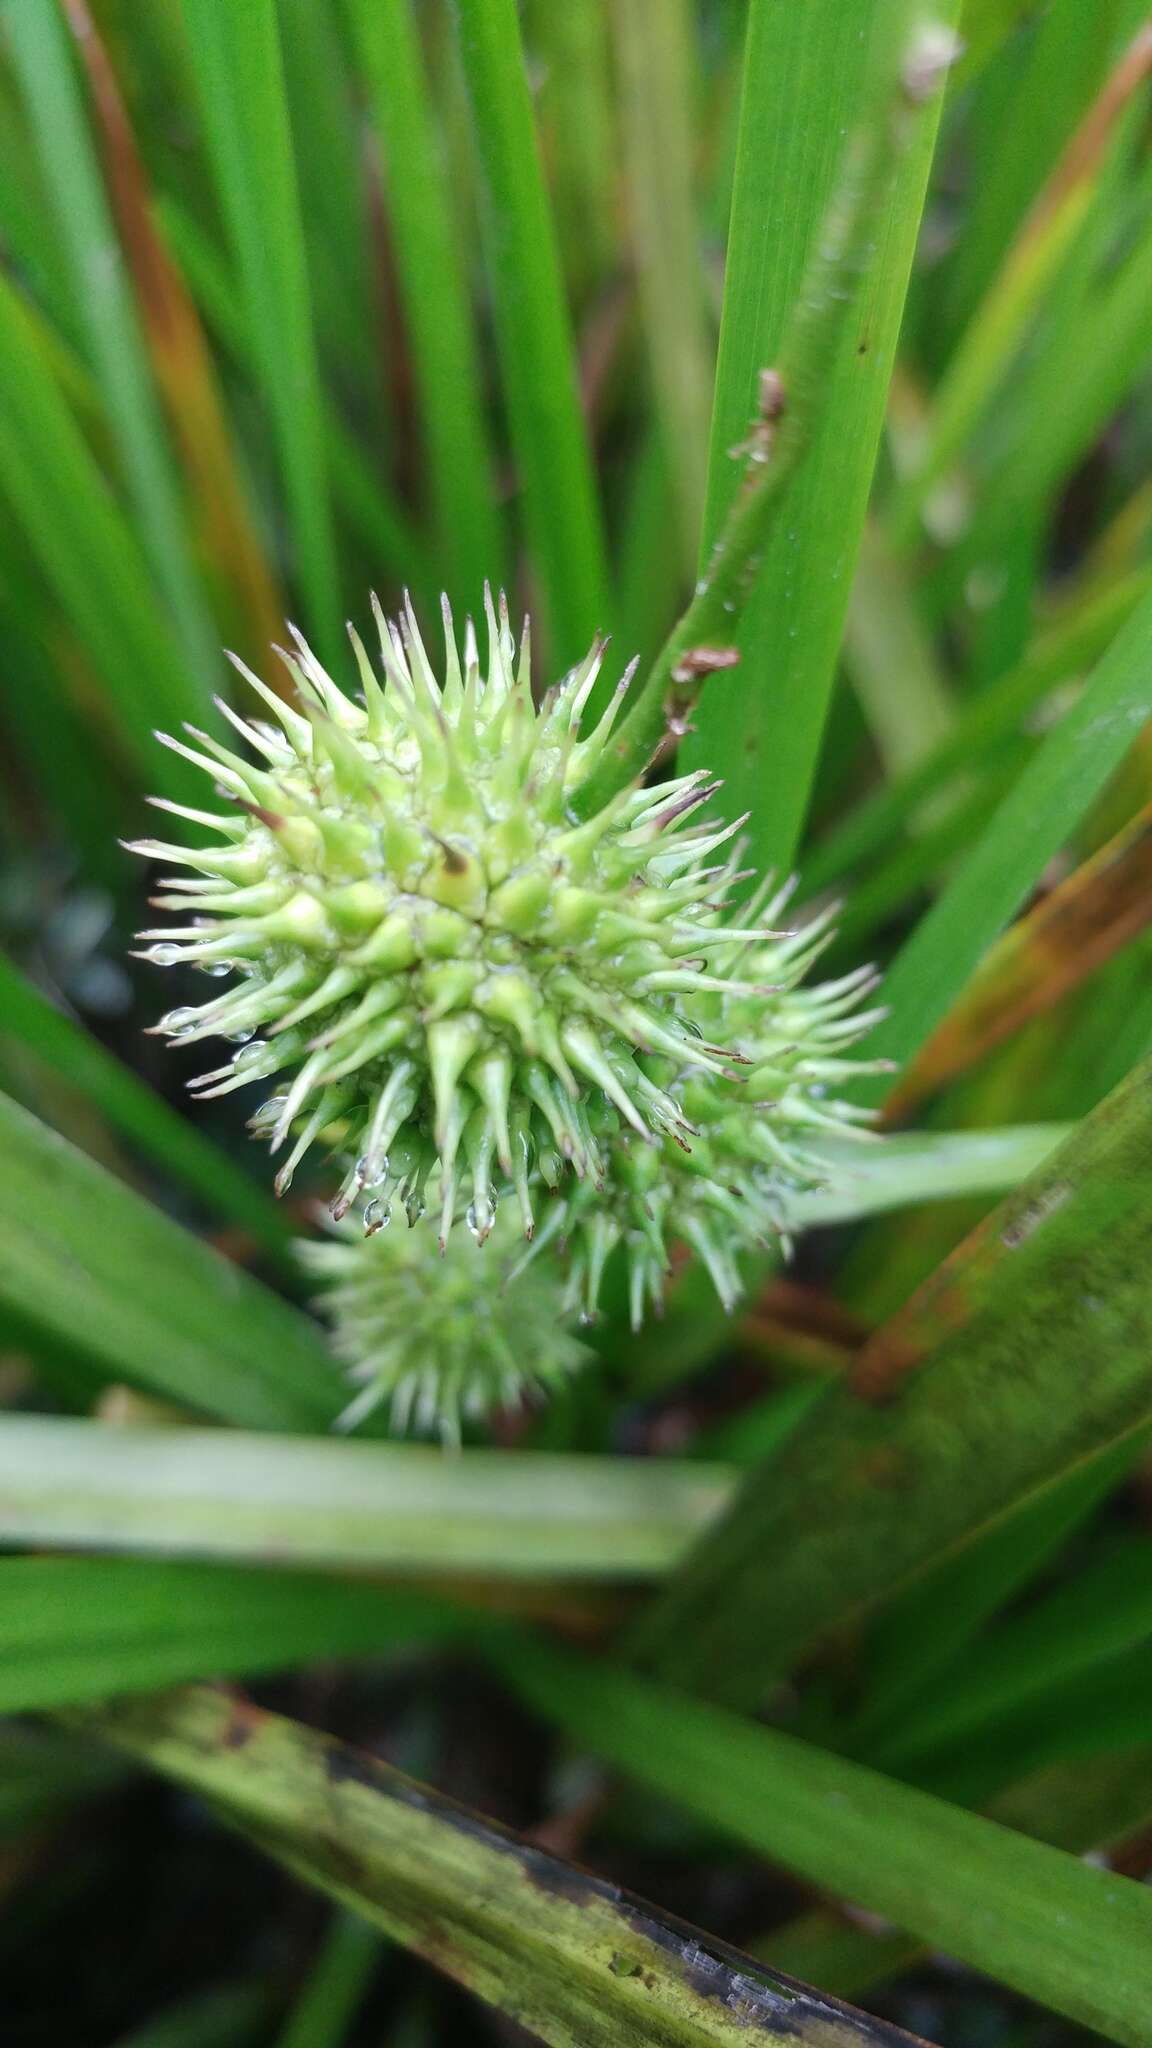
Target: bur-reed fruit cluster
(473, 987)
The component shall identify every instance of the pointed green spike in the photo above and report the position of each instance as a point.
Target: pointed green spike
(394, 1105)
(492, 1078)
(369, 1046)
(587, 1054)
(453, 674)
(452, 1041)
(296, 727)
(523, 1161)
(376, 708)
(479, 1150)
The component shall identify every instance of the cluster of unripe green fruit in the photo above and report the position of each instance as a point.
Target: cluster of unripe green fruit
(474, 994)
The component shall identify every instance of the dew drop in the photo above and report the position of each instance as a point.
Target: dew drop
(377, 1216)
(480, 1216)
(551, 1166)
(250, 1054)
(414, 1206)
(218, 970)
(163, 956)
(268, 1112)
(364, 1173)
(178, 1023)
(238, 1037)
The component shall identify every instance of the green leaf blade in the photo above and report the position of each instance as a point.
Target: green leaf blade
(82, 1629)
(238, 66)
(275, 1500)
(96, 1269)
(940, 1433)
(574, 1960)
(806, 75)
(134, 1109)
(1033, 822)
(970, 1887)
(39, 45)
(561, 509)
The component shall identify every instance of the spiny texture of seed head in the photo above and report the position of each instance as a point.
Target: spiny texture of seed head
(727, 1186)
(441, 1340)
(458, 977)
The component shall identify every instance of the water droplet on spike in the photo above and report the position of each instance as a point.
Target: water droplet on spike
(364, 1173)
(163, 956)
(268, 1113)
(238, 1037)
(253, 1052)
(377, 1216)
(480, 1216)
(178, 1023)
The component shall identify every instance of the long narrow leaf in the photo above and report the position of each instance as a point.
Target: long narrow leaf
(926, 1629)
(236, 52)
(997, 329)
(436, 308)
(807, 80)
(87, 552)
(1102, 1613)
(985, 725)
(920, 1166)
(575, 106)
(182, 365)
(104, 1274)
(1052, 70)
(1089, 917)
(656, 50)
(278, 1501)
(80, 1629)
(1091, 1715)
(54, 746)
(576, 1961)
(1087, 1807)
(892, 662)
(325, 2011)
(134, 1109)
(1034, 821)
(561, 512)
(940, 1432)
(39, 44)
(337, 205)
(364, 498)
(976, 1890)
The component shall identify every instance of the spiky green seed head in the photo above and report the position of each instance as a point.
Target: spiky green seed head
(459, 978)
(746, 1147)
(441, 1340)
